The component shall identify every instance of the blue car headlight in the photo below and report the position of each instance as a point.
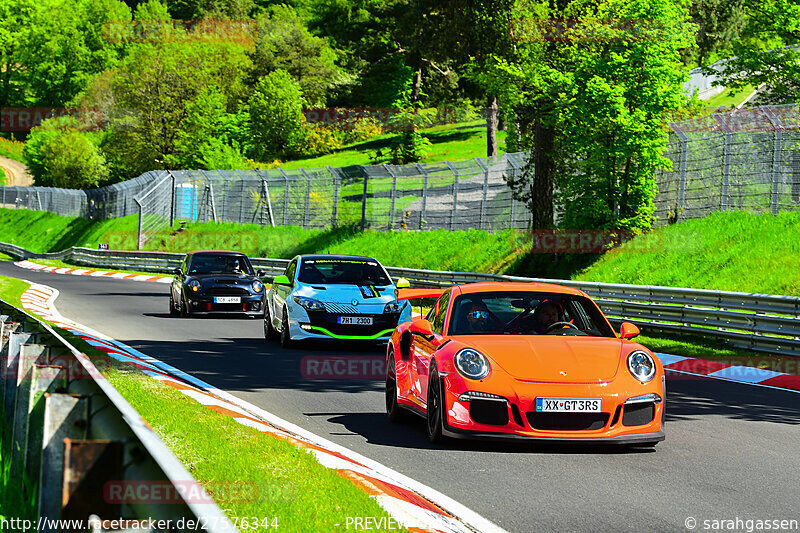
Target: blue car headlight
(309, 304)
(257, 287)
(194, 285)
(472, 364)
(393, 307)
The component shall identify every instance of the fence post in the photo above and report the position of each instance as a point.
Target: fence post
(424, 195)
(172, 202)
(241, 204)
(213, 202)
(682, 172)
(726, 162)
(265, 192)
(455, 195)
(394, 191)
(335, 195)
(308, 196)
(139, 228)
(485, 191)
(285, 198)
(777, 131)
(364, 199)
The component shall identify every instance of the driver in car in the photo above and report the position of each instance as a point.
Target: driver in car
(546, 315)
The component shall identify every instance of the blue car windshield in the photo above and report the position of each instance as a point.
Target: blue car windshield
(220, 264)
(342, 272)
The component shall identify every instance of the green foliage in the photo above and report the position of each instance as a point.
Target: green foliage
(719, 23)
(11, 149)
(167, 98)
(276, 116)
(60, 155)
(284, 43)
(767, 52)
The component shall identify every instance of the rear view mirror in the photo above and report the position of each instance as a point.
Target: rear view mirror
(628, 330)
(261, 273)
(403, 283)
(421, 327)
(281, 280)
(177, 271)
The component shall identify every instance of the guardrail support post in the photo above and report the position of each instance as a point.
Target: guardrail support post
(65, 417)
(29, 355)
(86, 464)
(10, 364)
(47, 379)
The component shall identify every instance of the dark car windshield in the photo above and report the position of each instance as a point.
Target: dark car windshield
(220, 264)
(527, 313)
(342, 271)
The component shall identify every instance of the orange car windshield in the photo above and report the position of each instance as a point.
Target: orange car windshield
(527, 313)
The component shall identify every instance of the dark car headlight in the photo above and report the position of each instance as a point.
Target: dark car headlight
(393, 307)
(472, 364)
(641, 365)
(309, 304)
(194, 285)
(257, 287)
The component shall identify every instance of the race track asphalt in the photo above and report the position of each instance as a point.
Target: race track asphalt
(731, 450)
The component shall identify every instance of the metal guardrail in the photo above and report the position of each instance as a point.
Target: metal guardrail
(72, 433)
(762, 322)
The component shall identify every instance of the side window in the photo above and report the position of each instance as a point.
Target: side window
(185, 265)
(441, 309)
(291, 269)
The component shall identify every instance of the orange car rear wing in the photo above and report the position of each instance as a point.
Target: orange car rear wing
(413, 294)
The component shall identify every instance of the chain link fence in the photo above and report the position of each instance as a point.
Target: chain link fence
(745, 160)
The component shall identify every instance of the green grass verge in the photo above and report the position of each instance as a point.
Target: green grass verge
(2, 177)
(734, 251)
(730, 98)
(11, 289)
(448, 142)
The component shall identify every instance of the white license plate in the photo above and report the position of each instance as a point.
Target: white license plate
(569, 405)
(357, 320)
(227, 299)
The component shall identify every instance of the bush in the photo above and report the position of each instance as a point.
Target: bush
(320, 139)
(278, 127)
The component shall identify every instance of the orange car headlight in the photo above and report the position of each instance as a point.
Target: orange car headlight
(641, 365)
(472, 364)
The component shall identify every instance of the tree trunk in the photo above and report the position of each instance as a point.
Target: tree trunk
(491, 125)
(542, 163)
(416, 88)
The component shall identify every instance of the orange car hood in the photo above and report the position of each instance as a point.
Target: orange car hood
(551, 358)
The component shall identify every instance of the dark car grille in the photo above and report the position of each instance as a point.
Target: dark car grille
(567, 421)
(227, 291)
(638, 414)
(490, 412)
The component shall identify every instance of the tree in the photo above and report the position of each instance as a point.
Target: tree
(276, 116)
(284, 43)
(60, 155)
(719, 23)
(153, 94)
(767, 52)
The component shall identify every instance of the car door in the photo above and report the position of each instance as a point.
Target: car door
(280, 293)
(423, 348)
(177, 281)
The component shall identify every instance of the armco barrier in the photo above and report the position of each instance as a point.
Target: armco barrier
(762, 322)
(71, 432)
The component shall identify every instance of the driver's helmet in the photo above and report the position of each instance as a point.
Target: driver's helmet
(234, 265)
(547, 313)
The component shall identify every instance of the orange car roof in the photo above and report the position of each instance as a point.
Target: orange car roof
(495, 286)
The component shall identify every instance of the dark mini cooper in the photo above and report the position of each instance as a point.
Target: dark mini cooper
(216, 282)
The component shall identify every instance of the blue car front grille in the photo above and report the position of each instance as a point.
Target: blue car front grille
(341, 309)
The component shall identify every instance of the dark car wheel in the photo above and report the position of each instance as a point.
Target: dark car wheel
(435, 408)
(172, 309)
(184, 307)
(393, 410)
(286, 336)
(269, 331)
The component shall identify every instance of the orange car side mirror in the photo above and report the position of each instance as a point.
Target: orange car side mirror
(421, 327)
(628, 330)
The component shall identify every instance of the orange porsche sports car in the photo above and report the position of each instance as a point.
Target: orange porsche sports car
(523, 361)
